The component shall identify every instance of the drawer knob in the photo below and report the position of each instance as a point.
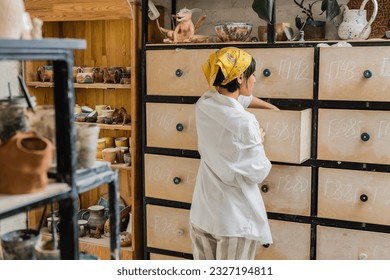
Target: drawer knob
(264, 188)
(179, 127)
(365, 136)
(367, 74)
(180, 232)
(266, 245)
(176, 180)
(363, 197)
(267, 72)
(179, 73)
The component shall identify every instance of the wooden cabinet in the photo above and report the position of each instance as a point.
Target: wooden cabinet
(112, 32)
(326, 193)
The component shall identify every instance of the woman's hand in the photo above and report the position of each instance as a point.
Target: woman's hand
(261, 104)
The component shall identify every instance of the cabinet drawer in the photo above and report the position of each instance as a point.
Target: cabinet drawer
(348, 244)
(171, 126)
(176, 72)
(358, 73)
(159, 257)
(353, 135)
(284, 73)
(171, 178)
(354, 195)
(291, 242)
(168, 228)
(287, 134)
(287, 190)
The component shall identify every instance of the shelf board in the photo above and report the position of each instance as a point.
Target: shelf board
(120, 166)
(73, 10)
(111, 126)
(10, 203)
(77, 85)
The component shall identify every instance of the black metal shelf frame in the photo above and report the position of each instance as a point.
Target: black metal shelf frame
(60, 51)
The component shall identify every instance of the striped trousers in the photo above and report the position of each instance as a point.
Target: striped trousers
(206, 246)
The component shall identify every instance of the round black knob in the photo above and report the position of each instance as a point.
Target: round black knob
(264, 188)
(363, 197)
(266, 245)
(179, 72)
(267, 72)
(179, 127)
(365, 136)
(176, 180)
(367, 74)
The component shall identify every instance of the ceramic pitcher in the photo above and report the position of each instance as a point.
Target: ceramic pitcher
(354, 25)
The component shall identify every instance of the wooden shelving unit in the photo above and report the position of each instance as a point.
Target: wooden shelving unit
(111, 30)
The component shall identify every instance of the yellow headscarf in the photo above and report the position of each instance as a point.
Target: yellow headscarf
(232, 61)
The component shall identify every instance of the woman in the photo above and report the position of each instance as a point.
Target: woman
(227, 217)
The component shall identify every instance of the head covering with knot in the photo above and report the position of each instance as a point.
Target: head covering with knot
(232, 62)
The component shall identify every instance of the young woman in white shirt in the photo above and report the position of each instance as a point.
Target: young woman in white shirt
(227, 217)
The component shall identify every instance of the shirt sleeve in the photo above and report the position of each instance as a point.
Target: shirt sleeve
(244, 100)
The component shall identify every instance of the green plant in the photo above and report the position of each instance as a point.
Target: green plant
(330, 7)
(264, 8)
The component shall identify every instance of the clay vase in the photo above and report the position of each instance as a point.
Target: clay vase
(96, 216)
(24, 161)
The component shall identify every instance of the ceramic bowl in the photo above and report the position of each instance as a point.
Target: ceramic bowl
(233, 31)
(122, 142)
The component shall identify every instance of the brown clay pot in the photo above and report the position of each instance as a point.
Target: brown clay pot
(24, 161)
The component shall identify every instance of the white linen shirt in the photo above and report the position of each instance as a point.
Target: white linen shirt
(226, 199)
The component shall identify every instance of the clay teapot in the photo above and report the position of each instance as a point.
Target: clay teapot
(354, 25)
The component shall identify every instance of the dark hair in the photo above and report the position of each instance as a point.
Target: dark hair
(234, 85)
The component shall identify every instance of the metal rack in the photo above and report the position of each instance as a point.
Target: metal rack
(66, 182)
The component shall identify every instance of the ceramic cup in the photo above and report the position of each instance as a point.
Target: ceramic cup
(50, 223)
(99, 109)
(109, 154)
(82, 227)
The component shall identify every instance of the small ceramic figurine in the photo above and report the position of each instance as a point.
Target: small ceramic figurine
(185, 28)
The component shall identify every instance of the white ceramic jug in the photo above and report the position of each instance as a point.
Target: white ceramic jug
(354, 25)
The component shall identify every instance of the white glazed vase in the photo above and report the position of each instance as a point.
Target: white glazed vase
(355, 25)
(11, 19)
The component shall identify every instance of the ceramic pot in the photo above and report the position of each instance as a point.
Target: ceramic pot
(12, 117)
(108, 112)
(82, 227)
(19, 244)
(24, 161)
(109, 154)
(96, 216)
(84, 78)
(44, 250)
(11, 19)
(87, 136)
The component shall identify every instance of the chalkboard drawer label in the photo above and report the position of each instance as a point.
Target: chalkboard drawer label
(354, 135)
(168, 228)
(358, 73)
(361, 196)
(169, 177)
(349, 244)
(287, 134)
(287, 190)
(291, 241)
